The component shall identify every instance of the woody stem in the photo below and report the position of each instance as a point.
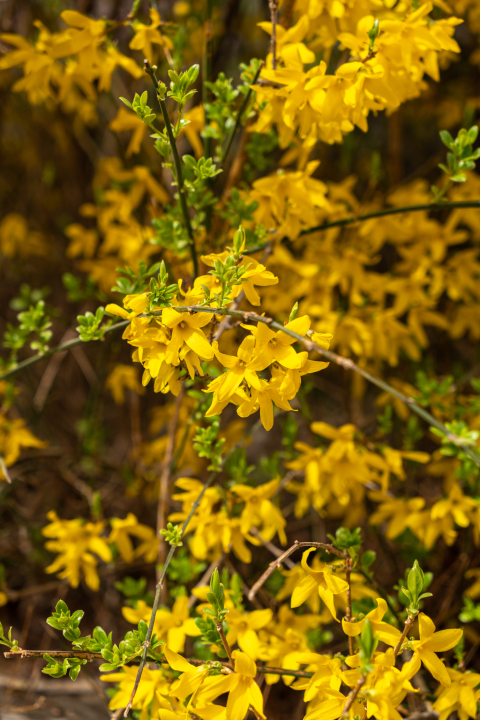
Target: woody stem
(228, 649)
(348, 614)
(353, 696)
(408, 624)
(178, 168)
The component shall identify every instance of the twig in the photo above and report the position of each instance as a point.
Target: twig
(228, 649)
(4, 470)
(242, 109)
(348, 614)
(59, 348)
(353, 696)
(273, 4)
(162, 510)
(170, 555)
(178, 167)
(431, 207)
(272, 548)
(408, 624)
(345, 363)
(437, 207)
(274, 565)
(25, 708)
(24, 654)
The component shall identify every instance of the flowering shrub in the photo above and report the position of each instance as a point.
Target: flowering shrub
(251, 282)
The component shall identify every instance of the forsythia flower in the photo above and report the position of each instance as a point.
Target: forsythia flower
(240, 685)
(77, 544)
(460, 697)
(120, 535)
(153, 686)
(431, 642)
(322, 581)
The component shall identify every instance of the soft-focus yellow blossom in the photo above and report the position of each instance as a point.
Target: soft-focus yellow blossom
(430, 643)
(77, 544)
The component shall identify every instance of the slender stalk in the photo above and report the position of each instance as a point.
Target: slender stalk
(170, 555)
(24, 654)
(348, 614)
(32, 654)
(238, 119)
(228, 649)
(353, 696)
(275, 563)
(273, 4)
(431, 207)
(178, 167)
(437, 207)
(162, 509)
(59, 348)
(206, 93)
(408, 624)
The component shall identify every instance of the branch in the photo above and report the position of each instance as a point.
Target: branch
(408, 624)
(24, 654)
(353, 696)
(59, 348)
(275, 563)
(348, 614)
(178, 167)
(163, 498)
(432, 207)
(170, 555)
(345, 363)
(437, 207)
(242, 109)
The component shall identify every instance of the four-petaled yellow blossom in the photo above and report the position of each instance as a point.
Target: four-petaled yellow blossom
(324, 582)
(120, 535)
(432, 642)
(386, 633)
(240, 685)
(153, 687)
(77, 544)
(460, 697)
(243, 627)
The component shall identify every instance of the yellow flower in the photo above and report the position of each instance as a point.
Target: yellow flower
(277, 346)
(186, 330)
(323, 581)
(460, 697)
(191, 678)
(148, 35)
(397, 510)
(240, 685)
(75, 543)
(126, 121)
(431, 642)
(120, 535)
(174, 625)
(386, 633)
(242, 367)
(13, 436)
(259, 510)
(121, 377)
(243, 627)
(152, 687)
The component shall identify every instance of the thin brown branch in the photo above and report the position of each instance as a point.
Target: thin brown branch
(276, 563)
(163, 504)
(228, 649)
(408, 624)
(273, 5)
(353, 696)
(348, 614)
(272, 548)
(25, 654)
